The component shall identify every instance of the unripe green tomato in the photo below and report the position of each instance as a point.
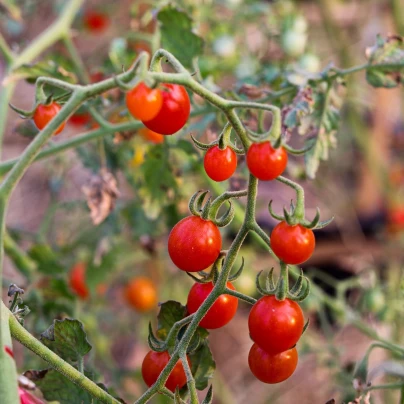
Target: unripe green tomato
(246, 68)
(293, 42)
(224, 46)
(374, 300)
(246, 284)
(309, 63)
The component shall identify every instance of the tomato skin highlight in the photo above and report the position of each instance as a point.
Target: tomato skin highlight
(141, 294)
(144, 103)
(151, 136)
(275, 325)
(174, 111)
(194, 244)
(272, 368)
(219, 164)
(222, 311)
(77, 280)
(292, 244)
(155, 362)
(45, 113)
(265, 162)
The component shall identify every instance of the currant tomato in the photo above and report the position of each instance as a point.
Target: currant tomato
(275, 325)
(174, 112)
(151, 136)
(144, 103)
(141, 294)
(272, 368)
(96, 21)
(194, 244)
(27, 398)
(80, 119)
(222, 311)
(155, 362)
(265, 162)
(220, 164)
(44, 114)
(77, 280)
(292, 244)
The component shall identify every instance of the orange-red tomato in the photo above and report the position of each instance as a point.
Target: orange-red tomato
(141, 294)
(44, 114)
(80, 119)
(151, 136)
(144, 103)
(220, 164)
(77, 280)
(96, 21)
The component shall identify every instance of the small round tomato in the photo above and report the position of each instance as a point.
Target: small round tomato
(174, 112)
(151, 136)
(265, 162)
(222, 311)
(194, 244)
(272, 368)
(96, 21)
(80, 119)
(77, 280)
(220, 164)
(292, 244)
(27, 398)
(155, 362)
(141, 294)
(144, 103)
(275, 325)
(44, 114)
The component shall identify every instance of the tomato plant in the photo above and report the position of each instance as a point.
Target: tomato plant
(220, 164)
(222, 311)
(141, 294)
(144, 103)
(45, 113)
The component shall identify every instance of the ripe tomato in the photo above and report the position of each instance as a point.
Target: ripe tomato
(155, 362)
(222, 311)
(275, 325)
(44, 114)
(194, 244)
(27, 398)
(9, 351)
(141, 294)
(220, 164)
(144, 103)
(78, 119)
(265, 162)
(272, 368)
(151, 136)
(292, 244)
(77, 280)
(96, 21)
(174, 112)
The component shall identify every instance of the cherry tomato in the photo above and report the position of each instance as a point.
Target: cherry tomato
(194, 244)
(27, 398)
(272, 368)
(292, 244)
(144, 103)
(151, 136)
(78, 119)
(155, 362)
(222, 311)
(220, 164)
(96, 21)
(141, 294)
(174, 112)
(77, 280)
(275, 325)
(265, 162)
(44, 114)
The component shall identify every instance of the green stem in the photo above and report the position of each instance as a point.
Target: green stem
(398, 15)
(79, 65)
(6, 93)
(80, 364)
(190, 380)
(5, 51)
(241, 296)
(299, 209)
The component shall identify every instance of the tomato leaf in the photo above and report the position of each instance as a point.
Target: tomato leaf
(67, 338)
(177, 36)
(46, 259)
(170, 312)
(202, 365)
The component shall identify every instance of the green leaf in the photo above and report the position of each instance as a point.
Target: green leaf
(187, 147)
(170, 313)
(388, 50)
(67, 338)
(202, 365)
(177, 36)
(46, 259)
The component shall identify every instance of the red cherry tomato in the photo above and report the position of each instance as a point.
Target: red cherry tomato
(80, 119)
(141, 294)
(265, 162)
(144, 103)
(220, 164)
(96, 21)
(222, 311)
(27, 398)
(44, 114)
(155, 362)
(194, 244)
(292, 244)
(275, 325)
(174, 112)
(151, 136)
(272, 368)
(77, 280)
